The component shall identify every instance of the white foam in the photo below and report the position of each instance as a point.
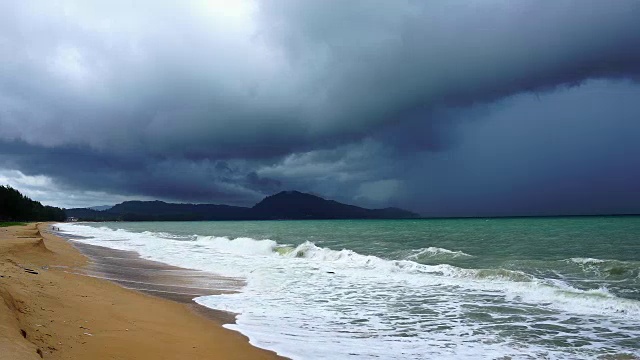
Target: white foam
(340, 302)
(239, 246)
(437, 253)
(584, 261)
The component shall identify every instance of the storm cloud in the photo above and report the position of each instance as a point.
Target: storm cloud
(406, 103)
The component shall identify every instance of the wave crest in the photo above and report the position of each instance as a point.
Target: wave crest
(435, 253)
(585, 261)
(239, 246)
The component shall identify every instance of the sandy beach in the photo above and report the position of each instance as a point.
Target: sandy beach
(52, 309)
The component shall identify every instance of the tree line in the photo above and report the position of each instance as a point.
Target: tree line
(16, 207)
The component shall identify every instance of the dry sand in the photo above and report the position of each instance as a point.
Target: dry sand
(48, 309)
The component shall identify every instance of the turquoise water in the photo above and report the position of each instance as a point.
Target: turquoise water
(448, 288)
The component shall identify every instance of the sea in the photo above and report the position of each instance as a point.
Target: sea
(509, 288)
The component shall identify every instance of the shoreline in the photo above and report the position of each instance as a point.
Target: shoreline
(55, 308)
(157, 279)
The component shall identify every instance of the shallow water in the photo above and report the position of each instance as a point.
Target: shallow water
(559, 288)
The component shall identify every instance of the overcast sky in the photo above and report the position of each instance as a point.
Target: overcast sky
(448, 108)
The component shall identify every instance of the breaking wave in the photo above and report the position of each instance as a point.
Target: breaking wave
(435, 253)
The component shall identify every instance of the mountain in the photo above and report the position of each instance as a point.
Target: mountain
(160, 210)
(298, 205)
(290, 205)
(87, 214)
(101, 207)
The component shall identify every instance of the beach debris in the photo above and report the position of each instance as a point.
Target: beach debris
(30, 271)
(82, 327)
(88, 334)
(39, 352)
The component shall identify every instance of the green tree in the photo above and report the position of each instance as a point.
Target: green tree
(16, 207)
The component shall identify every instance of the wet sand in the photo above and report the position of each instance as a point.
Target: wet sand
(58, 304)
(157, 279)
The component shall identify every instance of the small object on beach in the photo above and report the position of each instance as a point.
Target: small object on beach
(330, 272)
(88, 334)
(30, 271)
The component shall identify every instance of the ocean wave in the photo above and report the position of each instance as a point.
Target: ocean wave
(436, 253)
(585, 261)
(537, 290)
(607, 269)
(166, 235)
(240, 246)
(352, 259)
(357, 267)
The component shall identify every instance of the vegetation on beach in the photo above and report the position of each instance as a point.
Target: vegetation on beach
(11, 223)
(17, 207)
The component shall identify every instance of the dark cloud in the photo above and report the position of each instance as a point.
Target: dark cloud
(174, 179)
(571, 151)
(389, 59)
(574, 151)
(228, 102)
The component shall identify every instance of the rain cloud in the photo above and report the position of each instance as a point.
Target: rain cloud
(449, 108)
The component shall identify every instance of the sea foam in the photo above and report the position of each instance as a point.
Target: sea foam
(436, 253)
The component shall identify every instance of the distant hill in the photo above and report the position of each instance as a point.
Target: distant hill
(101, 207)
(298, 205)
(87, 214)
(290, 205)
(160, 210)
(17, 207)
